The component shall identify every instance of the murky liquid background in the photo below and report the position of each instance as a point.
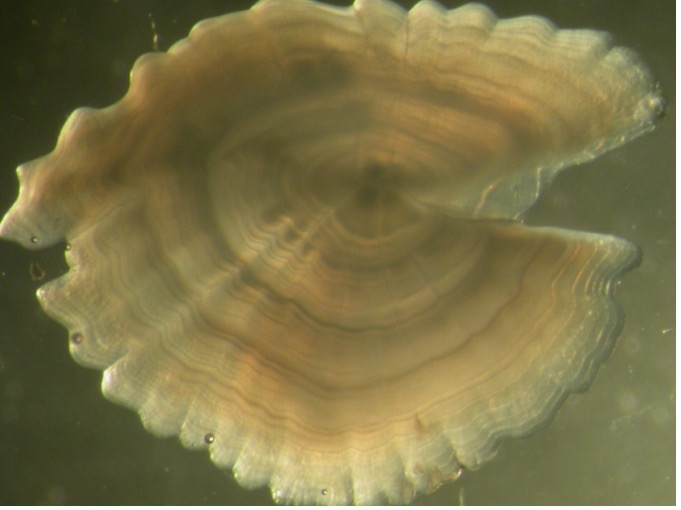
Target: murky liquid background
(62, 442)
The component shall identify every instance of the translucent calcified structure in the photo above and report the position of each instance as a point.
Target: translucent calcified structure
(296, 241)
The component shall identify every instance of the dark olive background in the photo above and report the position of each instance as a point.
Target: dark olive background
(62, 442)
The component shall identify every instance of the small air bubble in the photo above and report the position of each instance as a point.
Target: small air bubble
(67, 247)
(34, 240)
(209, 438)
(77, 338)
(324, 492)
(658, 105)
